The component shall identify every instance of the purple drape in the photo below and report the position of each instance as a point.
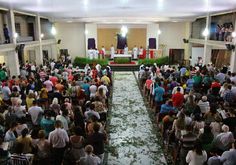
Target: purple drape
(91, 43)
(121, 41)
(152, 43)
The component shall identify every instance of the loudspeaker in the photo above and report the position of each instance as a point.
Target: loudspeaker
(233, 47)
(185, 41)
(17, 48)
(59, 41)
(228, 47)
(22, 46)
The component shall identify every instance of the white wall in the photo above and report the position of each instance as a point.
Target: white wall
(197, 52)
(91, 32)
(152, 32)
(72, 37)
(172, 35)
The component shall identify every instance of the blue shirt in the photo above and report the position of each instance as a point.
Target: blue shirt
(86, 88)
(229, 157)
(159, 93)
(221, 77)
(183, 70)
(166, 108)
(189, 84)
(48, 125)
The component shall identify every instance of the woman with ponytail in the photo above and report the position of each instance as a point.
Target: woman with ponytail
(26, 140)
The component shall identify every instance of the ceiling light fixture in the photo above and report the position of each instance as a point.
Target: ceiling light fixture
(159, 31)
(15, 35)
(206, 32)
(86, 31)
(42, 35)
(69, 21)
(124, 28)
(53, 30)
(233, 34)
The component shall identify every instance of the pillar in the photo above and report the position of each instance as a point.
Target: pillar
(91, 32)
(13, 64)
(53, 51)
(38, 49)
(207, 48)
(152, 32)
(233, 55)
(188, 46)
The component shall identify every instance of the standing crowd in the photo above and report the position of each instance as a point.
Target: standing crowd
(195, 111)
(54, 113)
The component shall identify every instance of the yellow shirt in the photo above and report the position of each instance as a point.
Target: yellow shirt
(187, 73)
(29, 102)
(44, 93)
(105, 78)
(0, 101)
(26, 141)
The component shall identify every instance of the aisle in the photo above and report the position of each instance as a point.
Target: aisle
(132, 138)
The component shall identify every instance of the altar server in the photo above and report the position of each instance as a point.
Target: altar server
(112, 51)
(126, 49)
(103, 49)
(91, 53)
(140, 51)
(96, 52)
(135, 50)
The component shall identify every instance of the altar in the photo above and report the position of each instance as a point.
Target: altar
(129, 56)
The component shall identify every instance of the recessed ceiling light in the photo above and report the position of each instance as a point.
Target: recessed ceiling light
(69, 21)
(175, 21)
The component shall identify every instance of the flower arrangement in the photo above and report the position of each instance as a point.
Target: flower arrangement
(163, 45)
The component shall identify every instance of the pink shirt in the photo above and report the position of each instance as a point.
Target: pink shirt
(69, 71)
(68, 106)
(53, 79)
(49, 85)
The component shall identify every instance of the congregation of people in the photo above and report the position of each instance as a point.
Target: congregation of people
(54, 113)
(195, 110)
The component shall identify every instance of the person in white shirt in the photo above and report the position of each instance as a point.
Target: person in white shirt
(190, 60)
(98, 67)
(105, 90)
(96, 52)
(86, 68)
(196, 156)
(135, 50)
(225, 139)
(90, 53)
(90, 158)
(204, 104)
(58, 140)
(126, 49)
(52, 64)
(104, 51)
(63, 119)
(174, 91)
(36, 113)
(68, 57)
(200, 62)
(140, 51)
(112, 51)
(233, 78)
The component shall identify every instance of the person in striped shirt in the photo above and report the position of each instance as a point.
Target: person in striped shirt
(42, 75)
(17, 157)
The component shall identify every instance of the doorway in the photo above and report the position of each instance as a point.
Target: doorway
(31, 30)
(176, 56)
(63, 54)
